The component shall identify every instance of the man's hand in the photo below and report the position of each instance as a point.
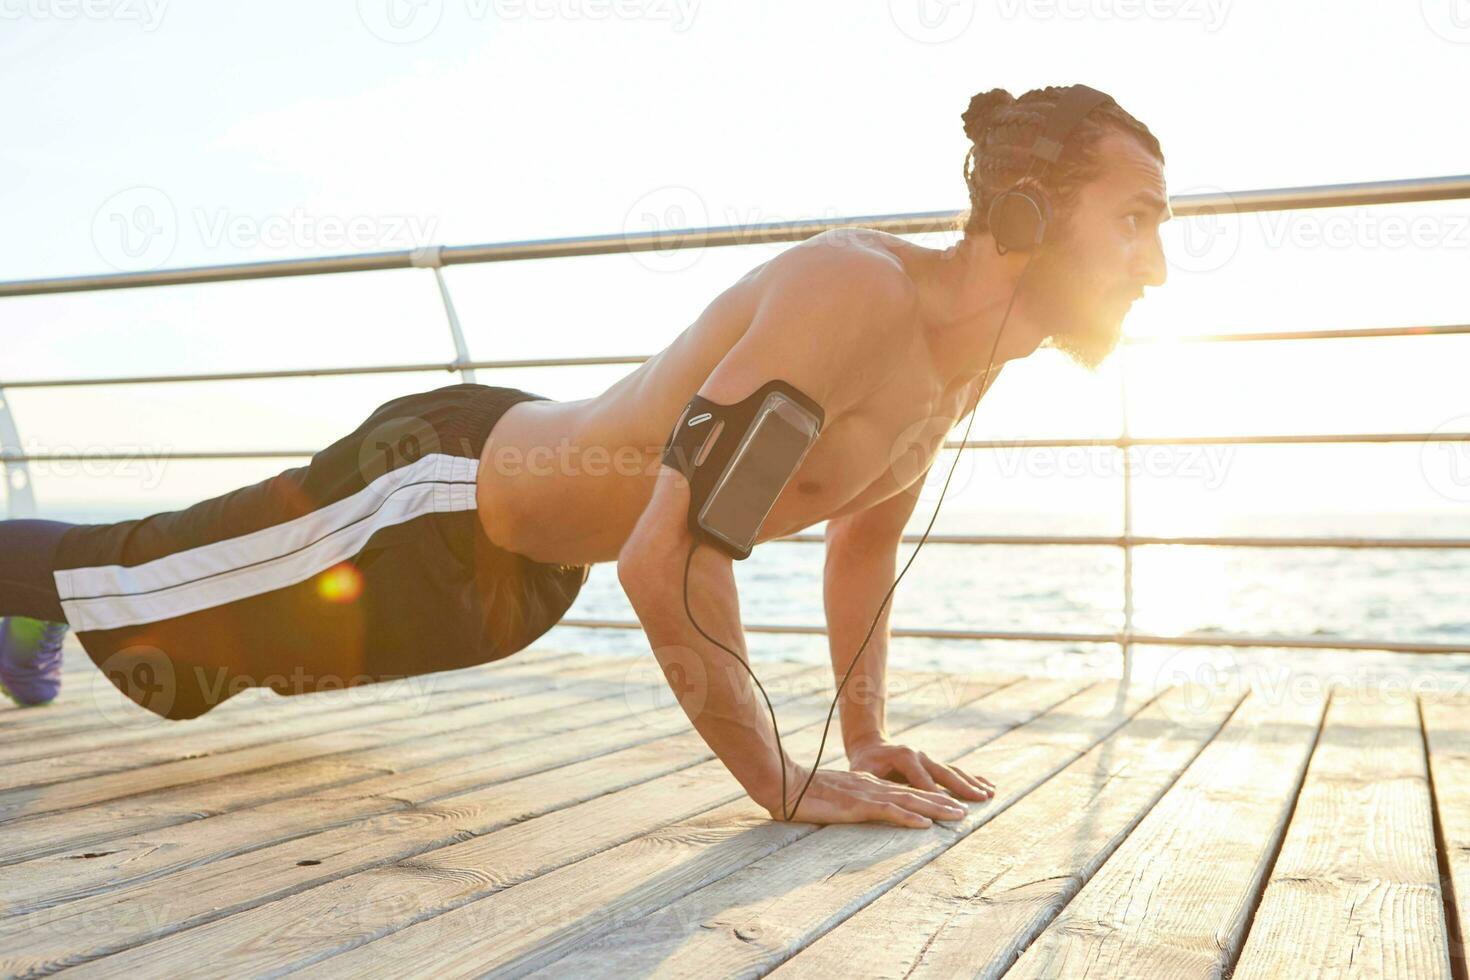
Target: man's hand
(857, 797)
(901, 764)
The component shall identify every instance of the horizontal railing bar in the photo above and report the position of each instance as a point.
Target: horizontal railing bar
(1268, 199)
(1120, 442)
(550, 248)
(120, 457)
(1198, 640)
(1115, 443)
(558, 362)
(1323, 196)
(1065, 540)
(277, 269)
(448, 366)
(1355, 333)
(1142, 540)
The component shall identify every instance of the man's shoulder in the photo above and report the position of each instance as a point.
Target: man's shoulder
(836, 312)
(849, 264)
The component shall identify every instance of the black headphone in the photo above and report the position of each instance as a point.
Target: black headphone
(1020, 215)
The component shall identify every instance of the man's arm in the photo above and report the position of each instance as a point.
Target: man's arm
(861, 564)
(831, 326)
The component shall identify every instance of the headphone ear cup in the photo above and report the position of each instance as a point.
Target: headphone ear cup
(1018, 218)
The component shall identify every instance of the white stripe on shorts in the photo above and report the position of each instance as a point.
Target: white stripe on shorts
(111, 596)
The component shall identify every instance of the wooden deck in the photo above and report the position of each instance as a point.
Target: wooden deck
(556, 814)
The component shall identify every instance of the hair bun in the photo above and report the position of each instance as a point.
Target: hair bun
(982, 108)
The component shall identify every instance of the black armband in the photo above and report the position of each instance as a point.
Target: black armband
(739, 457)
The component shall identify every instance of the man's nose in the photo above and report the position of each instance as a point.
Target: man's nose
(1151, 268)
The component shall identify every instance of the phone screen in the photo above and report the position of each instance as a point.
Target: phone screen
(739, 505)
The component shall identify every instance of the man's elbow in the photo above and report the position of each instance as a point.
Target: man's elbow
(649, 571)
(858, 542)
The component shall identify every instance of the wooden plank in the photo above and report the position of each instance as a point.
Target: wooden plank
(370, 725)
(974, 908)
(749, 921)
(1446, 721)
(83, 812)
(1175, 897)
(1355, 890)
(92, 703)
(153, 734)
(167, 741)
(573, 874)
(407, 758)
(215, 891)
(311, 822)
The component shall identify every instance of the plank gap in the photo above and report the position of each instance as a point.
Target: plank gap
(1442, 859)
(1270, 869)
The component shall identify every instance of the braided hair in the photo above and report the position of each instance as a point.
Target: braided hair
(1002, 129)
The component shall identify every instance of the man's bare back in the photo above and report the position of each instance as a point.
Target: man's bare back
(567, 481)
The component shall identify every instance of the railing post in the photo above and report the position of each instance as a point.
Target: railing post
(20, 497)
(1127, 637)
(432, 258)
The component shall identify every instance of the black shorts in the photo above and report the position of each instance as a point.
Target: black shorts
(370, 563)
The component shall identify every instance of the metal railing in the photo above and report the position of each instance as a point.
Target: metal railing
(20, 498)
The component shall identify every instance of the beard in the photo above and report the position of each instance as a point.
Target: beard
(1079, 324)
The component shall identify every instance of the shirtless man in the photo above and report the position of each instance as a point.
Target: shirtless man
(881, 332)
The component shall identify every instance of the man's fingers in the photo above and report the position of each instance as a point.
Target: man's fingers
(895, 814)
(937, 805)
(980, 781)
(961, 782)
(918, 777)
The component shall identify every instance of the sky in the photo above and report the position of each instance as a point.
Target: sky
(162, 133)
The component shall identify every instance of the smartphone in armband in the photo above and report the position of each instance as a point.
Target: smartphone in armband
(773, 446)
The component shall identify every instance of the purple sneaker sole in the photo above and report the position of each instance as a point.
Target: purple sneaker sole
(30, 660)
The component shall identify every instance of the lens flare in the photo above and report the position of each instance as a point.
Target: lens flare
(340, 583)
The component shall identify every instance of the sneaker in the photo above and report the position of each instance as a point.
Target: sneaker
(30, 659)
